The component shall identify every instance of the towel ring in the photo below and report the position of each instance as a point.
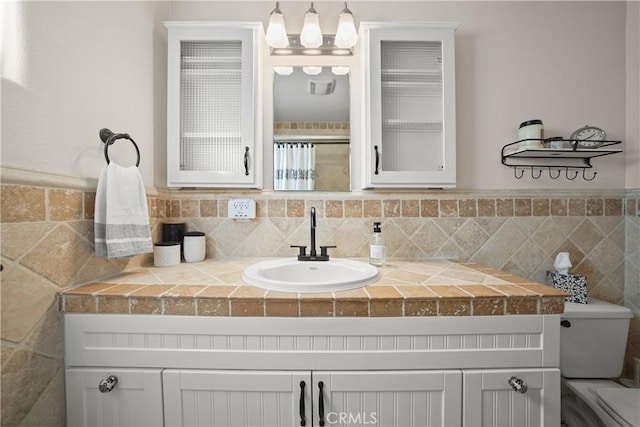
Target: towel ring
(108, 138)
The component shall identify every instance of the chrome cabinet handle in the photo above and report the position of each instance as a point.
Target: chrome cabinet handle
(246, 161)
(517, 384)
(377, 160)
(303, 422)
(107, 384)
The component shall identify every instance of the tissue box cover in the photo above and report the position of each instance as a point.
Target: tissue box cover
(574, 284)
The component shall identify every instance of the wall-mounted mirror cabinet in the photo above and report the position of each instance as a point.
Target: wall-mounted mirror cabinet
(308, 130)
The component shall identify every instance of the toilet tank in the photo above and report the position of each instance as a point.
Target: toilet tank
(593, 339)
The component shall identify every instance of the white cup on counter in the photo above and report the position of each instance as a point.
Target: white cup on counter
(195, 246)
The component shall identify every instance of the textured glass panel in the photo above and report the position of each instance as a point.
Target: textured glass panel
(412, 106)
(210, 106)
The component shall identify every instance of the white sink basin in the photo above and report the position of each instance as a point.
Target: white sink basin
(291, 275)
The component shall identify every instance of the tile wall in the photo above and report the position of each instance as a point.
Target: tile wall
(47, 245)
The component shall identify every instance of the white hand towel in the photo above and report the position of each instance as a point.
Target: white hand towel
(121, 214)
(100, 214)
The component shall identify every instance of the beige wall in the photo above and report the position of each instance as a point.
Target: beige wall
(514, 61)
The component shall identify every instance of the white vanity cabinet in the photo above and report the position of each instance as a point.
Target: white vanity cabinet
(247, 371)
(409, 123)
(214, 92)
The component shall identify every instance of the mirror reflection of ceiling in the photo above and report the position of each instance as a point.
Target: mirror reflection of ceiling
(293, 101)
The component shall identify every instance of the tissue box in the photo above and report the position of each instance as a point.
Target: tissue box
(574, 284)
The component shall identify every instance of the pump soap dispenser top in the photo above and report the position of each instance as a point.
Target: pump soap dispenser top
(377, 249)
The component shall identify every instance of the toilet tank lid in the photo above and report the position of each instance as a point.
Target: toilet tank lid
(595, 309)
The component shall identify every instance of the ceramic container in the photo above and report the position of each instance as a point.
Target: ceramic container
(166, 254)
(195, 246)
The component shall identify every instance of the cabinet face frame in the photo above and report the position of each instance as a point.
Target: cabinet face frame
(251, 37)
(372, 35)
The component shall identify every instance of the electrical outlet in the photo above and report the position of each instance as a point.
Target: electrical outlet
(242, 208)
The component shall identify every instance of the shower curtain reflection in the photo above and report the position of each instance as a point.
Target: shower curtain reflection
(294, 166)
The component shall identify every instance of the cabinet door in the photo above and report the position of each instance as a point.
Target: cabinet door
(387, 398)
(237, 398)
(135, 400)
(410, 102)
(212, 138)
(490, 400)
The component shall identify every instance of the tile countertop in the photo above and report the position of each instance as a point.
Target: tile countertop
(406, 288)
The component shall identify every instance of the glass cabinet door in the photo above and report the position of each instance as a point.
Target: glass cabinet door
(212, 138)
(412, 113)
(210, 106)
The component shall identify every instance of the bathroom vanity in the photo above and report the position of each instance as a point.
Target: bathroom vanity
(431, 343)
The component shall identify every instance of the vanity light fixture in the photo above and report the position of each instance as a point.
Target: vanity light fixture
(346, 34)
(311, 34)
(276, 30)
(312, 70)
(311, 41)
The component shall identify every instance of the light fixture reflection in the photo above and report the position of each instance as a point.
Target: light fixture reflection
(312, 70)
(276, 31)
(340, 71)
(283, 70)
(346, 34)
(311, 34)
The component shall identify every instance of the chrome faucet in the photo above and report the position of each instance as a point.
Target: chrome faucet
(313, 254)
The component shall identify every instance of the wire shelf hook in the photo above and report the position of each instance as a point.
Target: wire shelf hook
(534, 176)
(515, 173)
(584, 176)
(554, 177)
(574, 176)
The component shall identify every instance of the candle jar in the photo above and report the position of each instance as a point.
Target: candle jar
(166, 254)
(173, 232)
(195, 246)
(530, 133)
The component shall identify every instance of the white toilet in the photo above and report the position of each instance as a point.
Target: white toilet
(593, 340)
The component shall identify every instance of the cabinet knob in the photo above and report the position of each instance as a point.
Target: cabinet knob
(107, 384)
(517, 384)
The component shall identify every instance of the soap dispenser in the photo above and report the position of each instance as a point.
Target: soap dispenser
(377, 249)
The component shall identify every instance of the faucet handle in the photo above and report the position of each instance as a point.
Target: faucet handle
(302, 250)
(323, 250)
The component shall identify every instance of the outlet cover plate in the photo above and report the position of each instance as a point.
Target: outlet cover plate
(242, 208)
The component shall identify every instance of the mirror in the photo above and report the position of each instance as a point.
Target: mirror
(311, 129)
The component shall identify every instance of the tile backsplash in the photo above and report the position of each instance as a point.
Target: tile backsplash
(47, 245)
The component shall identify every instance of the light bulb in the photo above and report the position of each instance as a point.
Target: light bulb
(276, 31)
(346, 34)
(311, 34)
